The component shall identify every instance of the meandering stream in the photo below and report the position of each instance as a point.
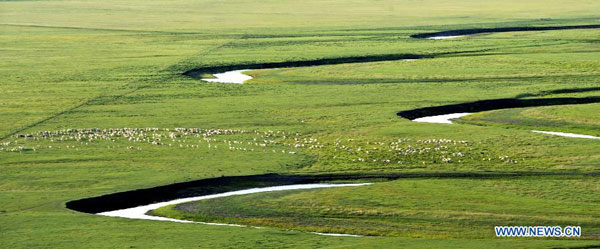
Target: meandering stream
(447, 119)
(134, 204)
(141, 212)
(238, 76)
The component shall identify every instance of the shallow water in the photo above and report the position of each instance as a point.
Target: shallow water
(447, 119)
(238, 76)
(441, 119)
(444, 37)
(233, 77)
(564, 134)
(338, 234)
(140, 211)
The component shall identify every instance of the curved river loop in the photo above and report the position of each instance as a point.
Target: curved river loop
(137, 204)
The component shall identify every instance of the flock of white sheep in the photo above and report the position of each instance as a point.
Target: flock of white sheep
(336, 150)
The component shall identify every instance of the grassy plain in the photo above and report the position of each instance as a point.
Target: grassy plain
(430, 208)
(116, 64)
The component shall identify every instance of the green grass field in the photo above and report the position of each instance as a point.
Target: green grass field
(430, 208)
(119, 64)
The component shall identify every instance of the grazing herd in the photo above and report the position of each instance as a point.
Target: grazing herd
(331, 150)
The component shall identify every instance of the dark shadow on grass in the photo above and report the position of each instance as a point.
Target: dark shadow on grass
(198, 72)
(457, 32)
(578, 247)
(359, 81)
(140, 197)
(558, 91)
(493, 104)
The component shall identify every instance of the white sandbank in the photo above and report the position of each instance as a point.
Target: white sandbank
(444, 37)
(338, 234)
(233, 77)
(140, 212)
(563, 134)
(238, 76)
(447, 119)
(441, 119)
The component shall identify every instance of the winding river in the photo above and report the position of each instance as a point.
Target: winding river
(136, 204)
(238, 76)
(141, 212)
(447, 119)
(235, 73)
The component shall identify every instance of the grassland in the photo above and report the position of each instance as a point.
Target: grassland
(115, 64)
(438, 208)
(563, 118)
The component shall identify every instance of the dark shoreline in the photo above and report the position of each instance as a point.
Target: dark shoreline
(146, 196)
(198, 72)
(306, 63)
(217, 185)
(493, 104)
(458, 32)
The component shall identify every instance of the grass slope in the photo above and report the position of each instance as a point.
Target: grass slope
(439, 208)
(113, 64)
